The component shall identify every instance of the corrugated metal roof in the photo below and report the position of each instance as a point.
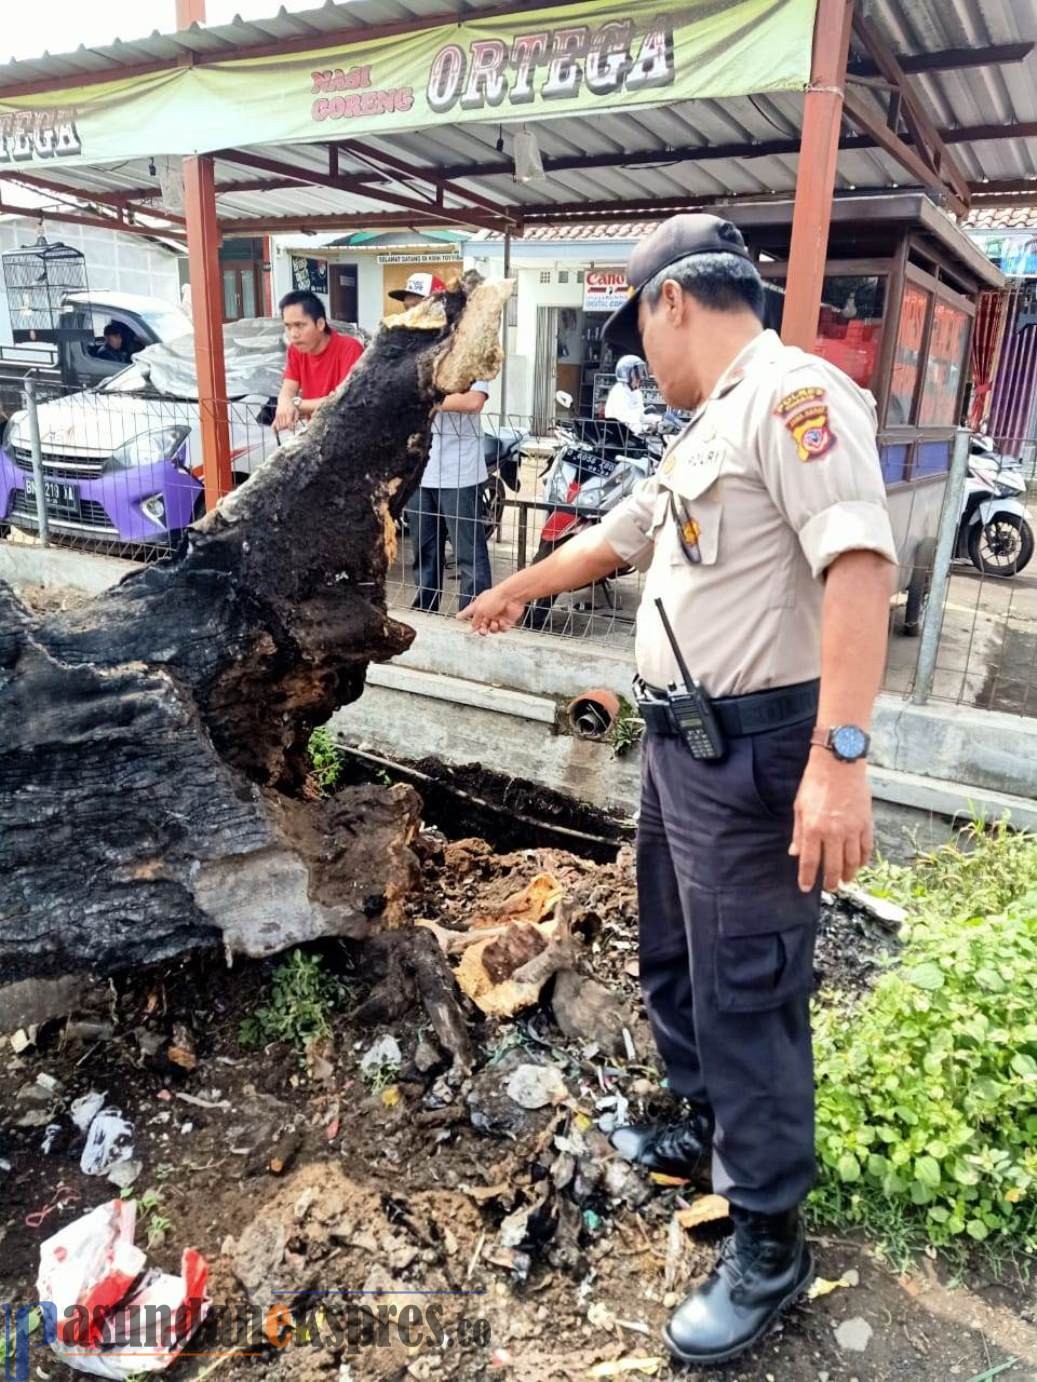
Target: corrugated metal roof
(965, 98)
(209, 43)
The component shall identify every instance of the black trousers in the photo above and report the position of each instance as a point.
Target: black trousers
(727, 946)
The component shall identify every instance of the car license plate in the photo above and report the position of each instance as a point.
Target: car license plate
(60, 498)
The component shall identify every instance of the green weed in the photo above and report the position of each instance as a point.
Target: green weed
(927, 1086)
(303, 995)
(326, 758)
(627, 730)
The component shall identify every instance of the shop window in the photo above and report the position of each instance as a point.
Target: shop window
(849, 325)
(908, 355)
(942, 387)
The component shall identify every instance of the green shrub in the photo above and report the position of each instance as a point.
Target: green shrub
(302, 997)
(927, 1087)
(326, 758)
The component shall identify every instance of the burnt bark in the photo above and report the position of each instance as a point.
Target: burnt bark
(153, 768)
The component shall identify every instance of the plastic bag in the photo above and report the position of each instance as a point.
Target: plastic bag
(115, 1318)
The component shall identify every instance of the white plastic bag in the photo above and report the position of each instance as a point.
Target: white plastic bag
(126, 1320)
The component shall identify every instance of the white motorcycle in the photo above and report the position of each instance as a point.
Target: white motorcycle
(994, 530)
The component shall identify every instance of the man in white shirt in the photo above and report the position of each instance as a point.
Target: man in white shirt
(626, 400)
(449, 497)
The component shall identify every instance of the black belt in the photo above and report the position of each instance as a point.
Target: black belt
(736, 715)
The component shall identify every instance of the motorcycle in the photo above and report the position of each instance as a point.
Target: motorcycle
(502, 451)
(994, 530)
(585, 481)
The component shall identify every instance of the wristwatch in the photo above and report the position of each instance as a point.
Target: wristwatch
(848, 743)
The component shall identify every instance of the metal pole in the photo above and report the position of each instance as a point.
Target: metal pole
(504, 329)
(203, 251)
(932, 618)
(815, 184)
(37, 458)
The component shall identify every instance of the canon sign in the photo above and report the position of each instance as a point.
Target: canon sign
(553, 64)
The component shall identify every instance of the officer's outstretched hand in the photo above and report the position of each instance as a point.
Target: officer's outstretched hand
(494, 611)
(833, 821)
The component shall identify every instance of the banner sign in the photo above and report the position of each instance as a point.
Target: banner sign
(444, 255)
(604, 290)
(579, 59)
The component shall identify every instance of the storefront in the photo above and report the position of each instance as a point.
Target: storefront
(354, 274)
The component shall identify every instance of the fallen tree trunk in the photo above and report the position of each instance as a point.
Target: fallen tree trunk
(153, 742)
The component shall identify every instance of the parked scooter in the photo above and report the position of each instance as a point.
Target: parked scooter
(502, 450)
(994, 530)
(584, 482)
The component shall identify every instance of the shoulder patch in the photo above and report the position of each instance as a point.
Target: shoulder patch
(806, 417)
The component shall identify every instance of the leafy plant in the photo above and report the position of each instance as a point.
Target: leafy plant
(326, 758)
(627, 730)
(381, 1076)
(927, 1087)
(302, 997)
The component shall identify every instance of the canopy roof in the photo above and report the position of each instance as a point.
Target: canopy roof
(969, 63)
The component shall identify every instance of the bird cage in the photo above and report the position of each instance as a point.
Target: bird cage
(38, 280)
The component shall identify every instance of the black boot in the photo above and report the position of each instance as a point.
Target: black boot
(763, 1267)
(676, 1149)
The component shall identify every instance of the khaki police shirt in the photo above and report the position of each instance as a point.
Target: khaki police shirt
(776, 475)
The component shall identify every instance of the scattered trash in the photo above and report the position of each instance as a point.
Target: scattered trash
(593, 713)
(676, 1254)
(23, 1039)
(889, 914)
(617, 1114)
(385, 1051)
(661, 1178)
(96, 1278)
(124, 1173)
(181, 1050)
(196, 1101)
(821, 1287)
(85, 1109)
(108, 1141)
(63, 1195)
(647, 1367)
(854, 1336)
(705, 1210)
(391, 1097)
(536, 1086)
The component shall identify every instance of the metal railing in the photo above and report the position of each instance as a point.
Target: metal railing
(120, 474)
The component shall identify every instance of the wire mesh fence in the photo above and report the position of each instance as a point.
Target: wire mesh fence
(120, 473)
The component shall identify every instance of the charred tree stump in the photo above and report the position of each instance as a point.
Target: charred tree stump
(153, 742)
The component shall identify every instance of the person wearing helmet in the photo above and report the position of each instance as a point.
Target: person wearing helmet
(626, 400)
(448, 500)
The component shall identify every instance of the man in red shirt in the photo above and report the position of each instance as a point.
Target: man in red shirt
(318, 358)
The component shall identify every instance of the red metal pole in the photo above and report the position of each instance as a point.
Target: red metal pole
(189, 12)
(815, 180)
(267, 272)
(203, 243)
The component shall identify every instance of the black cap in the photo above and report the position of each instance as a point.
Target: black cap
(691, 233)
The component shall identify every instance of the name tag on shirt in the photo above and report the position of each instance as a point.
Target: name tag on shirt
(691, 470)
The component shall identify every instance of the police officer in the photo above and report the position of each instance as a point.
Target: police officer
(769, 552)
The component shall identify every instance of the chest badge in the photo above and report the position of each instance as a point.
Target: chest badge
(806, 417)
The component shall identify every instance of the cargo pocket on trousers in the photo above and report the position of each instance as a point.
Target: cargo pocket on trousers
(764, 947)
